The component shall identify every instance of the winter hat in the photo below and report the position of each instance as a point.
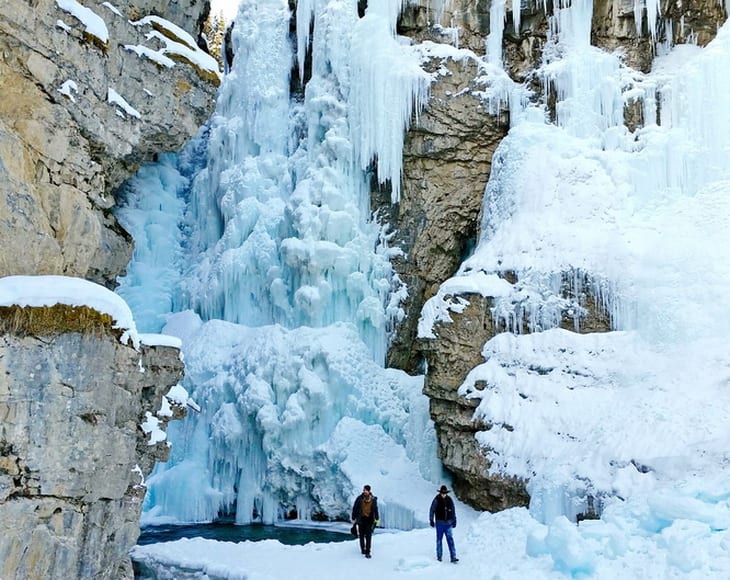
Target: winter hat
(443, 489)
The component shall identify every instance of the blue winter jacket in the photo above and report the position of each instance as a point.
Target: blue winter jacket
(442, 511)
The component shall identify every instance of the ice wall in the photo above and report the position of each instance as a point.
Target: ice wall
(280, 278)
(289, 419)
(289, 178)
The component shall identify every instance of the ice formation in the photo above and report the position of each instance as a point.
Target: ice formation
(284, 295)
(639, 221)
(259, 236)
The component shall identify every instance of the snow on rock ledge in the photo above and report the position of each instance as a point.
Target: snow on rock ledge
(38, 291)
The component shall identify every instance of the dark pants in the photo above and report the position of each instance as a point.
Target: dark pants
(365, 529)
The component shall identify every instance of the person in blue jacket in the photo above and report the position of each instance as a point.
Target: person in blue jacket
(443, 515)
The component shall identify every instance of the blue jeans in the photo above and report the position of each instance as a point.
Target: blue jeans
(444, 528)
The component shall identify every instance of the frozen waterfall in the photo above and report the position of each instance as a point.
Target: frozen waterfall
(257, 248)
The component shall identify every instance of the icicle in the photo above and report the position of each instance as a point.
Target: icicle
(638, 15)
(516, 14)
(388, 85)
(438, 8)
(305, 18)
(653, 10)
(497, 14)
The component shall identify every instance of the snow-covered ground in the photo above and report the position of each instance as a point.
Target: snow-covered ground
(653, 538)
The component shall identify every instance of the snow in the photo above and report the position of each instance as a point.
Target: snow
(68, 88)
(173, 29)
(448, 298)
(153, 339)
(93, 23)
(186, 47)
(125, 109)
(226, 7)
(178, 394)
(194, 54)
(38, 291)
(137, 470)
(154, 55)
(151, 426)
(111, 7)
(647, 538)
(63, 26)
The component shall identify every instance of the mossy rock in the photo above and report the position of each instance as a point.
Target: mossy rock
(54, 320)
(205, 74)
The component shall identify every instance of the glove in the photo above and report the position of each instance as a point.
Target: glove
(454, 524)
(377, 523)
(432, 524)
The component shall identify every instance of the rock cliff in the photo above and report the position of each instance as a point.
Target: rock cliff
(89, 92)
(72, 453)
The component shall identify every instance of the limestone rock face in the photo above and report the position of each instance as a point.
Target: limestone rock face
(84, 100)
(446, 163)
(694, 20)
(470, 17)
(614, 27)
(72, 453)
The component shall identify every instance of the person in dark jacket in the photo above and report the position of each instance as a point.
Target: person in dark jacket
(365, 514)
(443, 515)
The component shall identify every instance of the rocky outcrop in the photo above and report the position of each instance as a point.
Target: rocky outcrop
(614, 27)
(446, 163)
(72, 453)
(450, 358)
(692, 21)
(88, 94)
